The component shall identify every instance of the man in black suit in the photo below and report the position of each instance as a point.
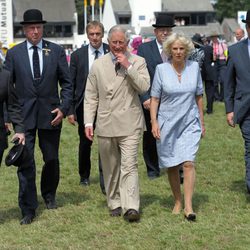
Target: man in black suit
(8, 96)
(153, 54)
(237, 91)
(80, 64)
(209, 76)
(37, 66)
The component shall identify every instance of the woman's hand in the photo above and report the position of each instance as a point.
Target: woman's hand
(203, 130)
(155, 129)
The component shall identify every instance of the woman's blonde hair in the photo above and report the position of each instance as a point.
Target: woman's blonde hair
(187, 43)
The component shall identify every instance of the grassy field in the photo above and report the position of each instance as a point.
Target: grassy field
(82, 220)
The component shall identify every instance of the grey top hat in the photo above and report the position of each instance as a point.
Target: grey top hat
(32, 16)
(248, 18)
(164, 21)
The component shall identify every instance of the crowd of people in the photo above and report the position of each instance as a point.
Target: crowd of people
(119, 91)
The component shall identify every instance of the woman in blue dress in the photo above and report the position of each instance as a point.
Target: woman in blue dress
(176, 112)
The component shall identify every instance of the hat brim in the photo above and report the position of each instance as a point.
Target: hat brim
(14, 154)
(163, 25)
(33, 21)
(198, 43)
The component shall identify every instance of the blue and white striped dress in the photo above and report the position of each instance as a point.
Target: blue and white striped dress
(178, 115)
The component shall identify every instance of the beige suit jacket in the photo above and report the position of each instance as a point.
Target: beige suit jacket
(115, 96)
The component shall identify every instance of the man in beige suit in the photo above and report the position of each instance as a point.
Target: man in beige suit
(114, 83)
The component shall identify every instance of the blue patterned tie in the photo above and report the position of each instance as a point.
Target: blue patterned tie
(36, 66)
(96, 54)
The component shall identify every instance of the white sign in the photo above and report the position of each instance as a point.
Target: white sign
(6, 17)
(242, 16)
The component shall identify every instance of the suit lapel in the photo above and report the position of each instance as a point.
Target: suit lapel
(120, 77)
(105, 48)
(25, 58)
(85, 59)
(245, 53)
(46, 57)
(156, 54)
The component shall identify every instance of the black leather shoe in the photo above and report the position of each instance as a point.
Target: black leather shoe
(104, 191)
(27, 219)
(116, 212)
(132, 215)
(51, 204)
(84, 182)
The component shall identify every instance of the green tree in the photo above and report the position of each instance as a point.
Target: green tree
(227, 8)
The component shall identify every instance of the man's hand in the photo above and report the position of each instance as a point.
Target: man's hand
(230, 119)
(146, 104)
(89, 132)
(123, 60)
(58, 117)
(71, 119)
(20, 137)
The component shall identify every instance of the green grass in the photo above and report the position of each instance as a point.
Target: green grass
(82, 220)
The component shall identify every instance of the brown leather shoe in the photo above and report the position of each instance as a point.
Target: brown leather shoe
(116, 212)
(132, 215)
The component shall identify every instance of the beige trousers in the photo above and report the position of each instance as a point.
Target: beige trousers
(120, 170)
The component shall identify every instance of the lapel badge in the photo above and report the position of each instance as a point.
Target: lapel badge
(46, 50)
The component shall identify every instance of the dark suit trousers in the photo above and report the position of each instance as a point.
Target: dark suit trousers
(149, 148)
(27, 196)
(245, 130)
(84, 154)
(209, 89)
(49, 145)
(1, 155)
(219, 83)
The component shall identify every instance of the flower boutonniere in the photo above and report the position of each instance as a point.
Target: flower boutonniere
(46, 50)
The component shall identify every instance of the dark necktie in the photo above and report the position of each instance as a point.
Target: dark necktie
(96, 54)
(36, 65)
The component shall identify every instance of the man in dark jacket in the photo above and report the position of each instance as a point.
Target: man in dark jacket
(37, 66)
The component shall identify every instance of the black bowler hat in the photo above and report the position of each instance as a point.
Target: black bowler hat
(32, 16)
(17, 156)
(197, 39)
(164, 21)
(248, 18)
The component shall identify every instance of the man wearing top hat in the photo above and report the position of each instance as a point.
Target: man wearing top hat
(37, 66)
(153, 54)
(237, 91)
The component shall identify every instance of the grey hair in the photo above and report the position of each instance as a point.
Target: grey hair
(118, 28)
(187, 43)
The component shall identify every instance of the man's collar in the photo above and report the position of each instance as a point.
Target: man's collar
(39, 45)
(92, 49)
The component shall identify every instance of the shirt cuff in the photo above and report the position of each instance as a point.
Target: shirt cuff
(88, 125)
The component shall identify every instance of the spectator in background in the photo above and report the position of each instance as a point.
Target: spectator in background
(135, 44)
(237, 92)
(220, 58)
(177, 118)
(80, 64)
(154, 55)
(239, 34)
